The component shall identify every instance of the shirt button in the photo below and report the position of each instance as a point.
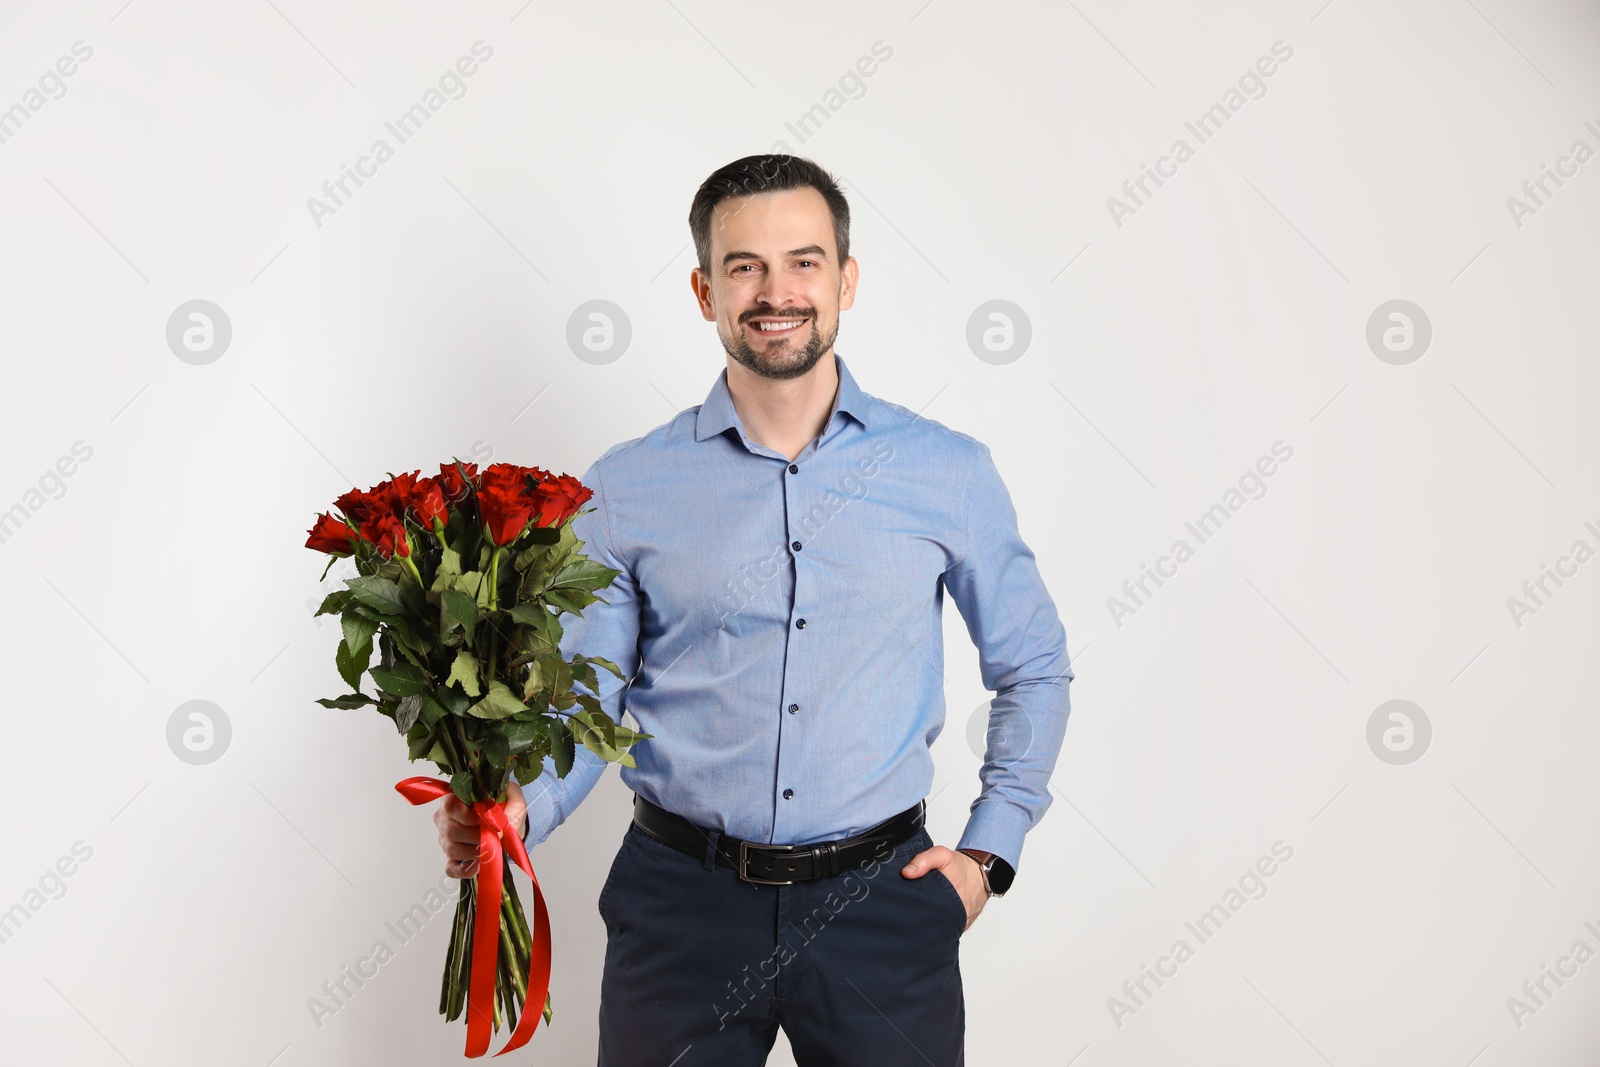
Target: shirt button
(793, 469)
(799, 624)
(793, 708)
(795, 545)
(788, 794)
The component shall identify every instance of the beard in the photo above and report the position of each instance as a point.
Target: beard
(783, 359)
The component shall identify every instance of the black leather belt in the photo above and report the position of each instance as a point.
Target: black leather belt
(779, 864)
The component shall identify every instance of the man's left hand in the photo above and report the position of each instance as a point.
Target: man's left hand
(960, 868)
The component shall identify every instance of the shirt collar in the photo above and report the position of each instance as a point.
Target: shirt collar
(717, 413)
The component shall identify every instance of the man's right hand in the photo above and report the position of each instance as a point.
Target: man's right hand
(458, 830)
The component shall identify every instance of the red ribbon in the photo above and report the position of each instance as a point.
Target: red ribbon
(492, 827)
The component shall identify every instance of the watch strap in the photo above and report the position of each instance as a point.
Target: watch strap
(987, 862)
(983, 860)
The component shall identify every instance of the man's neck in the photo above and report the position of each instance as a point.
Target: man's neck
(785, 415)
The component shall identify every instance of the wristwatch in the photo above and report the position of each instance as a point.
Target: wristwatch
(997, 873)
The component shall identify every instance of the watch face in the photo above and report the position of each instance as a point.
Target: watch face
(1001, 876)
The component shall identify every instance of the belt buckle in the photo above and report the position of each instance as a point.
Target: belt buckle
(744, 863)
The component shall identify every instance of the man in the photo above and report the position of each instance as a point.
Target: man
(785, 548)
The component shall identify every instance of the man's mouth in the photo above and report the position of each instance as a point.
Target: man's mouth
(777, 327)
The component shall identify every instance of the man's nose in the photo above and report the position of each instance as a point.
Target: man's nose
(777, 293)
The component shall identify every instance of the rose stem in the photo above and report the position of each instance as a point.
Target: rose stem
(523, 934)
(450, 956)
(513, 972)
(464, 969)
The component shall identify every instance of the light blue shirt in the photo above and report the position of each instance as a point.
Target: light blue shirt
(781, 625)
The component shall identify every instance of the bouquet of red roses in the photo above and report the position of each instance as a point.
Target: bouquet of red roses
(462, 581)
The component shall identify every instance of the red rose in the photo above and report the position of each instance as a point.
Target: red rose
(560, 499)
(359, 506)
(330, 535)
(427, 501)
(397, 492)
(505, 502)
(451, 481)
(387, 534)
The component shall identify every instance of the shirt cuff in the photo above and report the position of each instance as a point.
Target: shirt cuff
(997, 827)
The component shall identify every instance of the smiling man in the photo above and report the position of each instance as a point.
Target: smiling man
(785, 548)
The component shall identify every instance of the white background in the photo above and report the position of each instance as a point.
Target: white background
(1227, 313)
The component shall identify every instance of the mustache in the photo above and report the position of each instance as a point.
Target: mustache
(750, 316)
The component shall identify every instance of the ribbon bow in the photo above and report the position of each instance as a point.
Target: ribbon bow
(492, 827)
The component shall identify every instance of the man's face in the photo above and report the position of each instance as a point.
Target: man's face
(775, 286)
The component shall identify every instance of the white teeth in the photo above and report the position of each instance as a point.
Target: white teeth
(769, 326)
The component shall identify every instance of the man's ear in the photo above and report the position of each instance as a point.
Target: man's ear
(847, 283)
(701, 284)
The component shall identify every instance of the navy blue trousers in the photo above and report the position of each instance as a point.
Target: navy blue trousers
(701, 968)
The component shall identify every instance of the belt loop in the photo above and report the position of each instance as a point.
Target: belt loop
(711, 850)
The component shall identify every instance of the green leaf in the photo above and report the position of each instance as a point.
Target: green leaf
(334, 602)
(535, 681)
(585, 731)
(365, 612)
(558, 675)
(543, 633)
(415, 598)
(497, 750)
(607, 664)
(541, 560)
(601, 735)
(405, 717)
(433, 709)
(472, 584)
(358, 631)
(530, 615)
(498, 703)
(454, 703)
(595, 743)
(458, 609)
(594, 716)
(350, 667)
(348, 700)
(529, 770)
(583, 671)
(379, 594)
(402, 679)
(561, 752)
(555, 633)
(465, 671)
(586, 574)
(411, 646)
(542, 535)
(461, 786)
(570, 600)
(521, 734)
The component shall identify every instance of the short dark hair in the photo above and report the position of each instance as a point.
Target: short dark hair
(765, 174)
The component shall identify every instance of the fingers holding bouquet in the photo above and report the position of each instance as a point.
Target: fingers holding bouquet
(458, 830)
